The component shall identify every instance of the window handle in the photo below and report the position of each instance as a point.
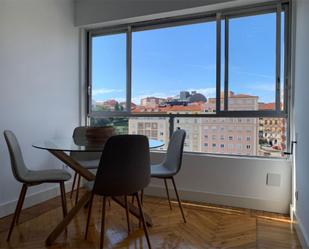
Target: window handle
(292, 148)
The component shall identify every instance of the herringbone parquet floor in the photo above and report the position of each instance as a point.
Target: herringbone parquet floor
(208, 226)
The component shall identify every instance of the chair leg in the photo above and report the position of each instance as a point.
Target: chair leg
(167, 193)
(127, 213)
(77, 189)
(179, 201)
(142, 196)
(22, 202)
(63, 199)
(143, 220)
(73, 185)
(103, 223)
(18, 209)
(89, 214)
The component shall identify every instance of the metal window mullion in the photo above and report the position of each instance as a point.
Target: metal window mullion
(218, 64)
(287, 76)
(278, 56)
(226, 64)
(286, 60)
(89, 73)
(129, 69)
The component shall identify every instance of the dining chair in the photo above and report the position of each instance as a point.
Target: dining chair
(89, 160)
(171, 165)
(31, 177)
(124, 170)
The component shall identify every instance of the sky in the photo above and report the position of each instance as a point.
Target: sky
(169, 60)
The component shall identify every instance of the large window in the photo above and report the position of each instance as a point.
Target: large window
(223, 77)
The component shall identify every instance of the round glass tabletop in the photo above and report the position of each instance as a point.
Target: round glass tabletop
(70, 145)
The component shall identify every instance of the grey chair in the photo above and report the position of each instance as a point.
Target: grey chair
(89, 160)
(171, 164)
(124, 170)
(30, 177)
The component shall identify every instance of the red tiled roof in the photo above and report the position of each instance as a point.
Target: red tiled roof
(267, 106)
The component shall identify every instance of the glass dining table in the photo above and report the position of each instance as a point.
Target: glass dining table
(60, 148)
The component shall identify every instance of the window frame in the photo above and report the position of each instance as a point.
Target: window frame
(270, 7)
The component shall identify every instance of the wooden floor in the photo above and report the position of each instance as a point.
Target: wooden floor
(208, 226)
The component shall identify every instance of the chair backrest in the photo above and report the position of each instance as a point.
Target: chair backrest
(79, 136)
(173, 159)
(17, 162)
(124, 166)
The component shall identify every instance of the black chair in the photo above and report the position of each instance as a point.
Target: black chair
(124, 170)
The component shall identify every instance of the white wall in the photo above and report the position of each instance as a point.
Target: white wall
(301, 78)
(39, 84)
(113, 12)
(233, 181)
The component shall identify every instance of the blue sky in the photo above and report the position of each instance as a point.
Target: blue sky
(169, 60)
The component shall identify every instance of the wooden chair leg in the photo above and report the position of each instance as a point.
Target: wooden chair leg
(167, 193)
(103, 223)
(18, 209)
(143, 220)
(77, 189)
(89, 215)
(132, 201)
(63, 199)
(127, 213)
(73, 185)
(179, 201)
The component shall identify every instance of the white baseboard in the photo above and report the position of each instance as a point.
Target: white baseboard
(221, 199)
(33, 199)
(301, 232)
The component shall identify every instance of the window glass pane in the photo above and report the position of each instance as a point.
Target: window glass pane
(120, 124)
(153, 127)
(174, 69)
(252, 62)
(109, 73)
(239, 136)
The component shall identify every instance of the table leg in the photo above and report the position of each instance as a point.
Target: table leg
(67, 219)
(133, 210)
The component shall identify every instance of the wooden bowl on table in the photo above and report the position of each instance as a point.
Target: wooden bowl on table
(99, 135)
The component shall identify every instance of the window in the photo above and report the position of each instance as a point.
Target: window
(212, 75)
(108, 73)
(169, 74)
(245, 49)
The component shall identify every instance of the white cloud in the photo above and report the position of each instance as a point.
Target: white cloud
(99, 91)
